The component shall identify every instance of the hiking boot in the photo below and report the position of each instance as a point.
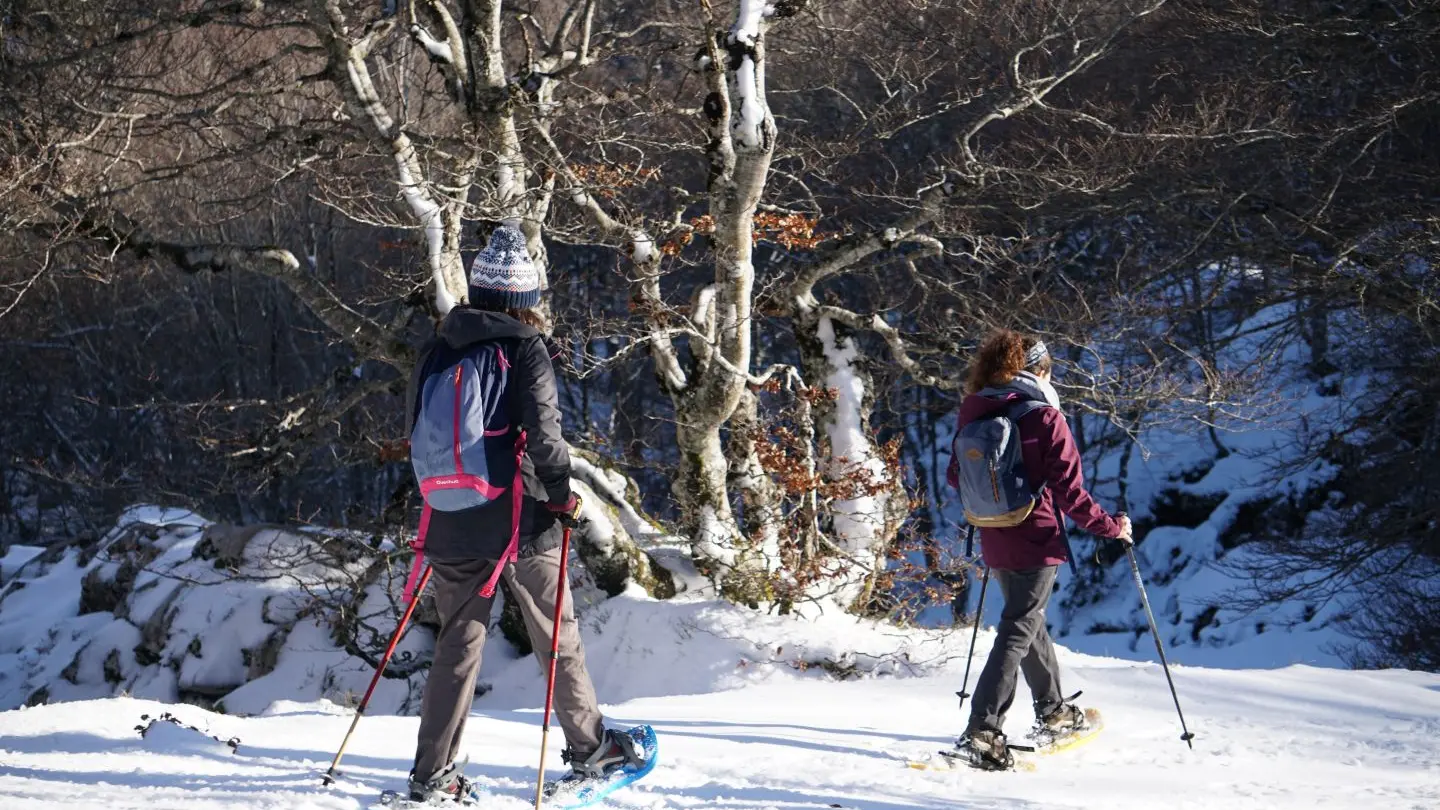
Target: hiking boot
(450, 785)
(615, 752)
(1063, 721)
(987, 749)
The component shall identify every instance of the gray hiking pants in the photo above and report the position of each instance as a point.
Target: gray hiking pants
(464, 619)
(1022, 644)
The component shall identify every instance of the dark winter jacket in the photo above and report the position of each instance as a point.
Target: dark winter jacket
(484, 531)
(1051, 458)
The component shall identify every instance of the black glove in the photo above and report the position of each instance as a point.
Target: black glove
(568, 513)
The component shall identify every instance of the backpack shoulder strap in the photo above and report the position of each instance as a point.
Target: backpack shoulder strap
(1016, 412)
(509, 349)
(512, 349)
(1019, 410)
(1024, 407)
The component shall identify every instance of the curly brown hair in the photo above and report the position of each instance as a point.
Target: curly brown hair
(1000, 358)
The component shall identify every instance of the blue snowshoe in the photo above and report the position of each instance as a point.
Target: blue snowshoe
(623, 758)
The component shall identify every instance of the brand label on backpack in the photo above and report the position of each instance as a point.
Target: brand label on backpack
(994, 488)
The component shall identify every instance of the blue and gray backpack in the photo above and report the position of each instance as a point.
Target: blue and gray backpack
(463, 448)
(994, 488)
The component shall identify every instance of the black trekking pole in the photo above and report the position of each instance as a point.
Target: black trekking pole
(975, 631)
(1159, 647)
(979, 615)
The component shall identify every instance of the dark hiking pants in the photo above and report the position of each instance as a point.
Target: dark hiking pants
(464, 619)
(1022, 644)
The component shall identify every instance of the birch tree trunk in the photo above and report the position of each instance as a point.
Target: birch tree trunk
(759, 494)
(867, 502)
(866, 498)
(742, 143)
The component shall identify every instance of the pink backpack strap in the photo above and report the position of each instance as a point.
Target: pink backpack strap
(419, 547)
(517, 502)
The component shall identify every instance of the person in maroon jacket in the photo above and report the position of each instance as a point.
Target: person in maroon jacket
(1024, 559)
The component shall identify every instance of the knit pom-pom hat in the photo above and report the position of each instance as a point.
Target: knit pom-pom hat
(502, 275)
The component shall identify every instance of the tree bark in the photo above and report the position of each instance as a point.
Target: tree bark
(867, 500)
(742, 143)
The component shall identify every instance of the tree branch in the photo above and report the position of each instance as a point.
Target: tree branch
(851, 252)
(1029, 93)
(899, 349)
(643, 251)
(366, 337)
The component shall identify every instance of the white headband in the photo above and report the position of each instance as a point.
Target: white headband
(1037, 353)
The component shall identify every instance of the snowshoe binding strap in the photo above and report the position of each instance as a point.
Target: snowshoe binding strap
(448, 785)
(615, 751)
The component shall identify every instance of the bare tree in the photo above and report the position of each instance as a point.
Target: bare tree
(798, 212)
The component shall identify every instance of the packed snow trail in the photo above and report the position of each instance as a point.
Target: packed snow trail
(1294, 738)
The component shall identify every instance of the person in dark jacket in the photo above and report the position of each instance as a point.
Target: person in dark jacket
(1024, 559)
(463, 547)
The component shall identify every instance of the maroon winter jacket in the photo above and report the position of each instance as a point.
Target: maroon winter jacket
(1051, 458)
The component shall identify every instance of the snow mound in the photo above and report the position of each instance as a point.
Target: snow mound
(258, 620)
(640, 647)
(173, 607)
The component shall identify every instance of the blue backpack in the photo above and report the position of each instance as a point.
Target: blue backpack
(994, 488)
(463, 448)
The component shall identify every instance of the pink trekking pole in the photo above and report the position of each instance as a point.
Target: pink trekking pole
(380, 669)
(554, 659)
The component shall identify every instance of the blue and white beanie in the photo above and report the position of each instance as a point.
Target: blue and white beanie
(502, 275)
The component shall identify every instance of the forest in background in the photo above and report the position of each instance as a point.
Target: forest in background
(771, 234)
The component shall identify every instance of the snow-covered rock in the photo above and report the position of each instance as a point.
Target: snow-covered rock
(172, 607)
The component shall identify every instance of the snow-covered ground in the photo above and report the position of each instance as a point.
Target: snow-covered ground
(769, 735)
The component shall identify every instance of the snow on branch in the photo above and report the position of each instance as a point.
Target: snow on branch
(438, 49)
(747, 22)
(423, 206)
(448, 50)
(748, 76)
(642, 248)
(899, 348)
(745, 53)
(748, 82)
